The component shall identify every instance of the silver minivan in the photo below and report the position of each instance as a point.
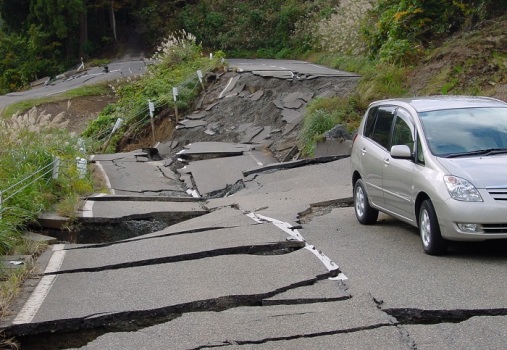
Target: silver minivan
(438, 163)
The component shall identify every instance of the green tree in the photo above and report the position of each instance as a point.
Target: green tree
(61, 19)
(398, 29)
(14, 14)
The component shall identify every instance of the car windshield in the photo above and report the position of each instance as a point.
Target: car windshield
(465, 131)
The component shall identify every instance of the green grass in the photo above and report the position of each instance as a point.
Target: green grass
(87, 90)
(180, 58)
(378, 81)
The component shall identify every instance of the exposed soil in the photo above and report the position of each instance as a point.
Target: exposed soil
(78, 111)
(471, 62)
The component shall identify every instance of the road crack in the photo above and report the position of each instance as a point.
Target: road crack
(278, 248)
(77, 332)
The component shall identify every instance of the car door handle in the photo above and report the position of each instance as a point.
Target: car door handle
(386, 161)
(363, 151)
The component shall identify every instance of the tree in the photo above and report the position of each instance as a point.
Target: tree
(14, 14)
(60, 18)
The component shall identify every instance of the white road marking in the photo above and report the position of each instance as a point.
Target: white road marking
(104, 174)
(225, 89)
(88, 207)
(286, 227)
(33, 303)
(257, 161)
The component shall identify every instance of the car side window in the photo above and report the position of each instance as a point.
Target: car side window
(419, 159)
(382, 128)
(370, 121)
(403, 130)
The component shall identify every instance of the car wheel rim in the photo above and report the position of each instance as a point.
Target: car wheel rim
(360, 202)
(425, 228)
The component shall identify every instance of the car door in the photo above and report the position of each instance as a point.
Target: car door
(397, 176)
(374, 150)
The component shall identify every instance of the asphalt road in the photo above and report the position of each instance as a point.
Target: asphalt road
(89, 76)
(279, 263)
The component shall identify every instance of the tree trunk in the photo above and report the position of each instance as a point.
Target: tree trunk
(83, 32)
(113, 22)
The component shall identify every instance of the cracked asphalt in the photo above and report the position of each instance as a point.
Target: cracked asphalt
(278, 262)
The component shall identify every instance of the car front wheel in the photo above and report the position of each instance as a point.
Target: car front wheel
(432, 240)
(365, 214)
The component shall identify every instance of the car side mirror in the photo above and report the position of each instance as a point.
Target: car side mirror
(401, 152)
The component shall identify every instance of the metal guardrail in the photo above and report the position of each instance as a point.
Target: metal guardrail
(52, 168)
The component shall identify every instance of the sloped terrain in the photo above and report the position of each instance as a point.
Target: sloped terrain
(245, 108)
(471, 62)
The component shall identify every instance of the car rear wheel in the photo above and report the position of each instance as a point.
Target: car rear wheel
(365, 214)
(432, 240)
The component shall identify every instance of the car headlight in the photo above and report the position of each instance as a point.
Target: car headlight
(461, 189)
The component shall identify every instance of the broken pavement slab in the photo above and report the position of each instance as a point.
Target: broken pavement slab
(175, 243)
(39, 238)
(127, 176)
(116, 208)
(328, 325)
(190, 124)
(176, 287)
(291, 69)
(222, 149)
(214, 176)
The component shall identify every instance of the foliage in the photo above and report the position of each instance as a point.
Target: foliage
(378, 81)
(397, 31)
(23, 58)
(324, 113)
(340, 33)
(273, 28)
(179, 58)
(26, 183)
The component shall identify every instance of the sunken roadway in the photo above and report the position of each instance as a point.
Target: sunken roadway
(221, 243)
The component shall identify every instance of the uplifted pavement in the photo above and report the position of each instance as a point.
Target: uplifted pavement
(237, 271)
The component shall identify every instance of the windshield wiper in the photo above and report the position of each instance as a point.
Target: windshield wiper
(480, 152)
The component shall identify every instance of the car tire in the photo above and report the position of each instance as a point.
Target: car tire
(431, 238)
(365, 214)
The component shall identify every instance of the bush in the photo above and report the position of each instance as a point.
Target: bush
(396, 30)
(179, 58)
(26, 169)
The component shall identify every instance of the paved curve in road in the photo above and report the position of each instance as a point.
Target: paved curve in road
(280, 262)
(76, 79)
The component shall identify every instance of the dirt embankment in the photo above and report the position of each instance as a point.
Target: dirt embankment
(471, 62)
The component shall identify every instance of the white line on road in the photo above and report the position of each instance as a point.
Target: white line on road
(88, 207)
(226, 87)
(286, 227)
(104, 174)
(33, 303)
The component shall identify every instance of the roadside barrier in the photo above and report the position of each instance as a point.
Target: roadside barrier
(42, 174)
(144, 114)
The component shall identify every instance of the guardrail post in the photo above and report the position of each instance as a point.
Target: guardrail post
(56, 168)
(81, 164)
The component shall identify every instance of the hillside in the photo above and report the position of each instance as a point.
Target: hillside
(470, 62)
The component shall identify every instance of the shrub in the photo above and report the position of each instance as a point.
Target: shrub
(179, 57)
(396, 30)
(340, 33)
